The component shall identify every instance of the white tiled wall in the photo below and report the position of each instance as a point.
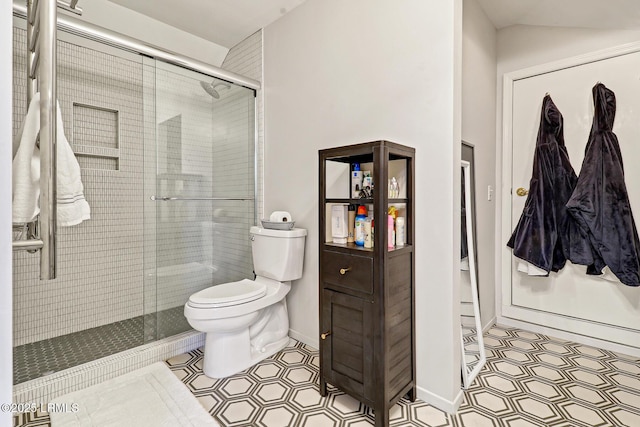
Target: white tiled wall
(99, 262)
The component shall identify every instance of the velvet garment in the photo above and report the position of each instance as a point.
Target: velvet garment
(545, 230)
(600, 202)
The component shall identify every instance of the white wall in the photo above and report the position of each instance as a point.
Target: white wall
(338, 73)
(6, 367)
(523, 46)
(479, 57)
(125, 21)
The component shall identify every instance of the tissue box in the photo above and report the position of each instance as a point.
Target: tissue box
(340, 223)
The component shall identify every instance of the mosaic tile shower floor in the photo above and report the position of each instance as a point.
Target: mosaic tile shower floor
(42, 357)
(529, 380)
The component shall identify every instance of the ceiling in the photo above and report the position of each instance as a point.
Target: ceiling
(228, 22)
(596, 14)
(224, 22)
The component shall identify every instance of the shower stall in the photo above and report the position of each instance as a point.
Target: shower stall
(168, 164)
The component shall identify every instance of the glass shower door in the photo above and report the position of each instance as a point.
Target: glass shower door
(199, 190)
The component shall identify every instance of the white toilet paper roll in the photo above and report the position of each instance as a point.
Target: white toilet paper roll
(280, 216)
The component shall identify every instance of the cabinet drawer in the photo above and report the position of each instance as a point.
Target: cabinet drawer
(348, 271)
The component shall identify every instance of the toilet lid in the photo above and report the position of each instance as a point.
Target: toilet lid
(227, 294)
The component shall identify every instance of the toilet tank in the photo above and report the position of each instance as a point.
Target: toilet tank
(278, 254)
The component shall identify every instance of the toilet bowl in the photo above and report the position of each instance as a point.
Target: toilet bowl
(247, 321)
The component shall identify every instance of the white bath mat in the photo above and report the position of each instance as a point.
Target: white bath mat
(152, 396)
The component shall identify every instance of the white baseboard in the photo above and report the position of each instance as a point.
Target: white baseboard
(569, 336)
(489, 324)
(448, 406)
(311, 342)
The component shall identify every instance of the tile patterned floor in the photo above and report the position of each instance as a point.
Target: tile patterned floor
(529, 380)
(52, 355)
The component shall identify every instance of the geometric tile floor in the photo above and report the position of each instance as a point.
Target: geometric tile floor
(529, 380)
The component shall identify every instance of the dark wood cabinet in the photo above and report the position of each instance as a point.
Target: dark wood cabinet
(367, 314)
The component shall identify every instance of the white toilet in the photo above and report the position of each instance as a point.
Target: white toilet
(247, 321)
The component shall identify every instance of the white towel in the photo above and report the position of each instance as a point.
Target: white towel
(72, 206)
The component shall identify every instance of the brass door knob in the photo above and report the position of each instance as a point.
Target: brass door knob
(325, 335)
(522, 191)
(343, 271)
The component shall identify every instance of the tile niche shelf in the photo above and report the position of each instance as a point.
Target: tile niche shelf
(367, 315)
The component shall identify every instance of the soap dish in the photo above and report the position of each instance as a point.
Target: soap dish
(280, 225)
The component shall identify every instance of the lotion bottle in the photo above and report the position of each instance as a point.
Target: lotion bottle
(391, 236)
(356, 181)
(360, 218)
(400, 231)
(352, 223)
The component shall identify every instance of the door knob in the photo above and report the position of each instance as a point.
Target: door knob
(325, 335)
(522, 191)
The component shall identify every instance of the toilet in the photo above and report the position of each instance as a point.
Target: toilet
(247, 321)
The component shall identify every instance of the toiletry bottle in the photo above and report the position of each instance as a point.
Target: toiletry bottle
(352, 223)
(373, 233)
(359, 225)
(400, 231)
(356, 181)
(391, 236)
(368, 243)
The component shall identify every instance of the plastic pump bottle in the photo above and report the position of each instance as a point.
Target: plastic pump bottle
(356, 181)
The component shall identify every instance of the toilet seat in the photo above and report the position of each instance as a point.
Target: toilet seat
(228, 294)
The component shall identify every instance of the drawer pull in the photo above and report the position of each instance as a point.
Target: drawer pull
(325, 335)
(343, 271)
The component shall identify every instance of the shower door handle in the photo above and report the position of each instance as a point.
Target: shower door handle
(171, 199)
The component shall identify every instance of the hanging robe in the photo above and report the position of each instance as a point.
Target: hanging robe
(544, 232)
(600, 202)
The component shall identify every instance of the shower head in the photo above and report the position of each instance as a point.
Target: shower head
(210, 88)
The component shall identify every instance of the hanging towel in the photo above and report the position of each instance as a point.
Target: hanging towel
(72, 206)
(26, 167)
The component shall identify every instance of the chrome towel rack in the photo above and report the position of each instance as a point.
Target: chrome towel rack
(42, 19)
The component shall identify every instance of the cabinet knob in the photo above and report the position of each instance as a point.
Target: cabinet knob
(325, 335)
(343, 271)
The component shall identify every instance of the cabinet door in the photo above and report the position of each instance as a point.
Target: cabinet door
(347, 353)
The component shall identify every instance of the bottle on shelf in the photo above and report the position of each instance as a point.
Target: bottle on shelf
(400, 231)
(356, 181)
(368, 237)
(359, 225)
(391, 237)
(352, 223)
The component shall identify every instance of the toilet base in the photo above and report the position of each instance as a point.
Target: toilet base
(227, 353)
(214, 367)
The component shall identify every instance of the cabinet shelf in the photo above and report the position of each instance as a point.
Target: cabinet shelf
(367, 201)
(367, 309)
(347, 247)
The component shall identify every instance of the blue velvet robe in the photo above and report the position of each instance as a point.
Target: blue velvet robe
(600, 202)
